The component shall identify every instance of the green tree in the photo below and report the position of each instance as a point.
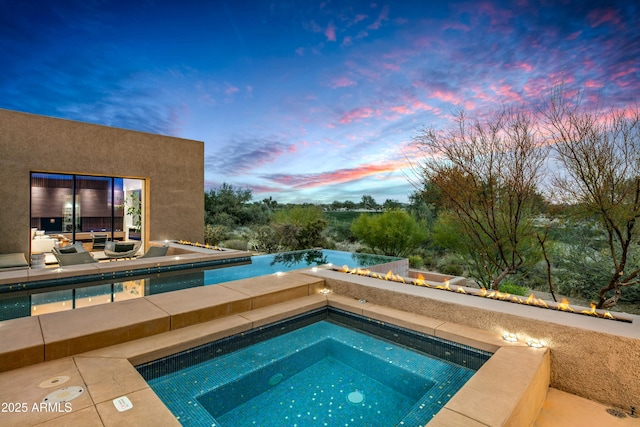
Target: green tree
(421, 208)
(600, 155)
(391, 204)
(336, 205)
(486, 175)
(349, 205)
(300, 227)
(368, 202)
(230, 207)
(392, 233)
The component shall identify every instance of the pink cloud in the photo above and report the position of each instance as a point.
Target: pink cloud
(334, 177)
(604, 16)
(444, 95)
(412, 106)
(339, 82)
(524, 66)
(300, 51)
(536, 88)
(230, 89)
(498, 16)
(347, 41)
(330, 33)
(507, 93)
(358, 18)
(357, 114)
(458, 26)
(574, 36)
(593, 84)
(623, 73)
(384, 16)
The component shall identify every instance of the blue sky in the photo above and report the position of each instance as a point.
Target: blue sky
(308, 101)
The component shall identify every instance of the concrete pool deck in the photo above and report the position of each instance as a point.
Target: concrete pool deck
(95, 348)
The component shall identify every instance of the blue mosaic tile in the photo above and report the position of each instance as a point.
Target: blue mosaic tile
(303, 373)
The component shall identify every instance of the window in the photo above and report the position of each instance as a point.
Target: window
(76, 206)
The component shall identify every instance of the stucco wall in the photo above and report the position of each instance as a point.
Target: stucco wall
(172, 167)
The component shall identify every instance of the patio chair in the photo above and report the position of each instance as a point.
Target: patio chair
(115, 250)
(99, 240)
(15, 261)
(155, 251)
(73, 255)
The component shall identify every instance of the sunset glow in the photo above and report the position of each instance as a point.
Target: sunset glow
(309, 101)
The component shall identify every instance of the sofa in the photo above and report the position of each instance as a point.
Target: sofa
(41, 243)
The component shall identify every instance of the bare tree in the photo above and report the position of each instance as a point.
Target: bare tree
(487, 173)
(599, 154)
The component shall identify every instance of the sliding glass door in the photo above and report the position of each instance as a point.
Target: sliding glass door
(74, 207)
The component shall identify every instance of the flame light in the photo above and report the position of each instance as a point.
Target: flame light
(484, 293)
(200, 245)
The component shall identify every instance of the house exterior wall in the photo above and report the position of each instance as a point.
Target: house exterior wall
(173, 170)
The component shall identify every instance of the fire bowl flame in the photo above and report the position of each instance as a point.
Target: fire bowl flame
(484, 293)
(199, 245)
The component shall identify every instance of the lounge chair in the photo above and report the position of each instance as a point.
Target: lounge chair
(73, 255)
(155, 251)
(15, 261)
(99, 240)
(115, 250)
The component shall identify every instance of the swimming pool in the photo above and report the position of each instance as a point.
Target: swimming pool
(58, 295)
(287, 261)
(327, 367)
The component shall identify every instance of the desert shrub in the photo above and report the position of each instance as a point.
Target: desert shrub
(415, 261)
(239, 245)
(263, 239)
(452, 269)
(300, 227)
(509, 287)
(393, 233)
(214, 234)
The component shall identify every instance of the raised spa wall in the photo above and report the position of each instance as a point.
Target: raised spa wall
(598, 359)
(588, 357)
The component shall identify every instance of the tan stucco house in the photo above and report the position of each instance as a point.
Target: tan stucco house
(74, 180)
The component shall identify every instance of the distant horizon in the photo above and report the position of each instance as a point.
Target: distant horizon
(312, 102)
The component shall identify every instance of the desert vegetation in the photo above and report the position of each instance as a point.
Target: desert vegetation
(521, 200)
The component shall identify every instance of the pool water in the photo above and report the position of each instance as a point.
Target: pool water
(67, 296)
(287, 261)
(321, 374)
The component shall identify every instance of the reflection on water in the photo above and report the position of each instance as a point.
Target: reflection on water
(66, 297)
(289, 259)
(307, 258)
(52, 301)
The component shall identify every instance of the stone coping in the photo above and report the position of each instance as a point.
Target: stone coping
(108, 373)
(66, 333)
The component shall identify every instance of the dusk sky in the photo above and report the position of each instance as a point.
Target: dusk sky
(308, 101)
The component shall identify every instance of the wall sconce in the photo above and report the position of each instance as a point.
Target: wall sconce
(534, 343)
(510, 337)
